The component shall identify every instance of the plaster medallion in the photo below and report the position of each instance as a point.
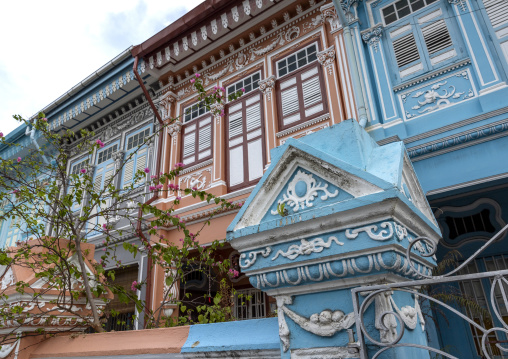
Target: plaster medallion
(253, 257)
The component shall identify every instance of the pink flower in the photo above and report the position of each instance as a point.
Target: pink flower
(154, 227)
(178, 198)
(243, 90)
(192, 81)
(44, 119)
(19, 159)
(147, 170)
(176, 187)
(83, 170)
(197, 75)
(15, 191)
(153, 176)
(151, 188)
(1, 134)
(179, 165)
(194, 188)
(100, 143)
(171, 186)
(134, 286)
(159, 186)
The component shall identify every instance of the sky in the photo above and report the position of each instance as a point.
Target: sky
(47, 47)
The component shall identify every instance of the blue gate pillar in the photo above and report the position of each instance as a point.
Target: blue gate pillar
(335, 211)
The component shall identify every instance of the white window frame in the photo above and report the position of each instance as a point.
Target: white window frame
(298, 66)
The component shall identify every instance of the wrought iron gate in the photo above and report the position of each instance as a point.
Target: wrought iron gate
(499, 292)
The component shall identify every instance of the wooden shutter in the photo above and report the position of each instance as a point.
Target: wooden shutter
(301, 96)
(128, 172)
(311, 88)
(245, 141)
(497, 11)
(189, 144)
(405, 50)
(141, 161)
(205, 138)
(436, 36)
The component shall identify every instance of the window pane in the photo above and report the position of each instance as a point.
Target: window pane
(282, 71)
(417, 5)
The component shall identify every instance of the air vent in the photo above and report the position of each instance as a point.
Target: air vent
(405, 50)
(436, 37)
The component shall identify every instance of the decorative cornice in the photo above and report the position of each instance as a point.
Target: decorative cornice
(321, 118)
(196, 167)
(97, 97)
(431, 75)
(460, 140)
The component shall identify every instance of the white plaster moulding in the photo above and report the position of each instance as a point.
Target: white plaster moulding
(196, 167)
(337, 284)
(232, 34)
(459, 146)
(392, 247)
(239, 192)
(309, 123)
(244, 354)
(455, 125)
(388, 210)
(432, 74)
(468, 184)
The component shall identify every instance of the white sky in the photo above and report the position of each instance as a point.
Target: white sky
(47, 47)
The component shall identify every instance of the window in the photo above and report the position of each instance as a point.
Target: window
(253, 308)
(479, 222)
(245, 141)
(301, 96)
(194, 111)
(76, 168)
(137, 139)
(248, 84)
(296, 61)
(197, 136)
(103, 177)
(423, 42)
(136, 157)
(402, 8)
(106, 154)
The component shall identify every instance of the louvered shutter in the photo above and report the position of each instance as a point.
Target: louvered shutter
(189, 144)
(141, 161)
(497, 11)
(245, 141)
(405, 50)
(289, 101)
(236, 145)
(128, 172)
(436, 37)
(205, 138)
(311, 88)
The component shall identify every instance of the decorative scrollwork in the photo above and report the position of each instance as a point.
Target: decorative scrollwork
(302, 191)
(253, 257)
(307, 247)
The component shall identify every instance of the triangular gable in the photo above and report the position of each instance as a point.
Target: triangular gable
(304, 191)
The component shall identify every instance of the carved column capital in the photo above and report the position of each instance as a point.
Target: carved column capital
(266, 86)
(461, 4)
(372, 36)
(326, 58)
(328, 13)
(174, 130)
(118, 157)
(165, 104)
(217, 110)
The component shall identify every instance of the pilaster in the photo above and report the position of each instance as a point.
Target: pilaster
(373, 38)
(327, 60)
(219, 151)
(266, 86)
